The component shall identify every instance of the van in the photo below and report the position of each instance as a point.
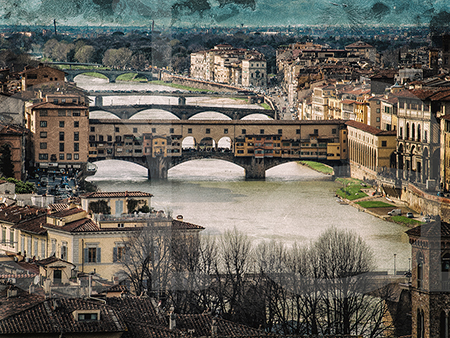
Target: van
(395, 212)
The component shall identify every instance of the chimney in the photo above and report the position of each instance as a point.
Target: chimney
(172, 321)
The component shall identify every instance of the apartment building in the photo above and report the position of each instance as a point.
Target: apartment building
(59, 128)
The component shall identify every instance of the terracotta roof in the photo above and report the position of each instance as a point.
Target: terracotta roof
(48, 105)
(50, 260)
(34, 225)
(56, 316)
(15, 214)
(22, 301)
(58, 206)
(369, 129)
(104, 194)
(67, 212)
(180, 225)
(359, 44)
(431, 230)
(82, 225)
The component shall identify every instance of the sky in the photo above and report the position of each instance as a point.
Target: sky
(221, 12)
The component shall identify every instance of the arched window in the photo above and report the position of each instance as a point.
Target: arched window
(407, 131)
(419, 134)
(443, 325)
(413, 132)
(419, 270)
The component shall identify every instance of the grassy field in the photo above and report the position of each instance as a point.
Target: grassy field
(351, 189)
(317, 166)
(374, 204)
(265, 106)
(405, 220)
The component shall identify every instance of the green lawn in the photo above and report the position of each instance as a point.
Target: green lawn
(317, 166)
(265, 106)
(351, 192)
(405, 220)
(374, 204)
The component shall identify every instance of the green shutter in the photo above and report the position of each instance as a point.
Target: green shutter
(99, 259)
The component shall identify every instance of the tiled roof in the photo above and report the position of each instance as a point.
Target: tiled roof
(431, 230)
(369, 129)
(50, 260)
(67, 212)
(81, 225)
(15, 214)
(180, 225)
(48, 105)
(34, 225)
(57, 206)
(22, 301)
(104, 194)
(56, 316)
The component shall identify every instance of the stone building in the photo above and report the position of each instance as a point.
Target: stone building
(430, 283)
(42, 74)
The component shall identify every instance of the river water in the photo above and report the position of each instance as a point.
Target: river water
(293, 204)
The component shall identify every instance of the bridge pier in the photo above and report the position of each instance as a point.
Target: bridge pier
(255, 169)
(157, 167)
(99, 100)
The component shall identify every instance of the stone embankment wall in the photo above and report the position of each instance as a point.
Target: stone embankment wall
(362, 173)
(426, 203)
(199, 84)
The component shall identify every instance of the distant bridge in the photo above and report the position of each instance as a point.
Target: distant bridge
(112, 75)
(183, 112)
(158, 145)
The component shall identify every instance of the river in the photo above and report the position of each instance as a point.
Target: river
(293, 204)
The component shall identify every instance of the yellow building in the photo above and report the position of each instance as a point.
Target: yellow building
(371, 150)
(445, 152)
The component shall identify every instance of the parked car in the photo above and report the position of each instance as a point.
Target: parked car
(395, 212)
(409, 215)
(426, 219)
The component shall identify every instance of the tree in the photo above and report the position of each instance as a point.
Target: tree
(85, 54)
(6, 164)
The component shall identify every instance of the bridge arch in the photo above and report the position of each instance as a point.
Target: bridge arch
(155, 114)
(209, 115)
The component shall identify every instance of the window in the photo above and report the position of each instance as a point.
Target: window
(76, 156)
(280, 131)
(445, 267)
(43, 145)
(189, 130)
(43, 156)
(378, 110)
(61, 136)
(334, 131)
(43, 248)
(117, 129)
(64, 251)
(419, 270)
(76, 124)
(92, 255)
(76, 146)
(43, 113)
(61, 157)
(43, 134)
(11, 237)
(87, 316)
(153, 130)
(61, 124)
(384, 143)
(68, 157)
(61, 147)
(225, 131)
(316, 131)
(109, 138)
(261, 131)
(118, 252)
(43, 124)
(171, 130)
(93, 129)
(208, 131)
(244, 131)
(53, 241)
(76, 136)
(297, 131)
(76, 113)
(135, 130)
(378, 119)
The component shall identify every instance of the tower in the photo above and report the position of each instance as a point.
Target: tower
(430, 284)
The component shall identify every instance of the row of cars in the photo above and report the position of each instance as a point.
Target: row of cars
(398, 212)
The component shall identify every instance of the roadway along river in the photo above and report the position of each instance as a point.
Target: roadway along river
(294, 203)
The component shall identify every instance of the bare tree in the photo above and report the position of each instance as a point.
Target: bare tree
(147, 259)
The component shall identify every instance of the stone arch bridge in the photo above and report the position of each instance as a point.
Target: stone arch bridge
(158, 145)
(112, 75)
(183, 112)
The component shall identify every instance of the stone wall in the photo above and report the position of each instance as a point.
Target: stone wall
(199, 84)
(426, 203)
(362, 173)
